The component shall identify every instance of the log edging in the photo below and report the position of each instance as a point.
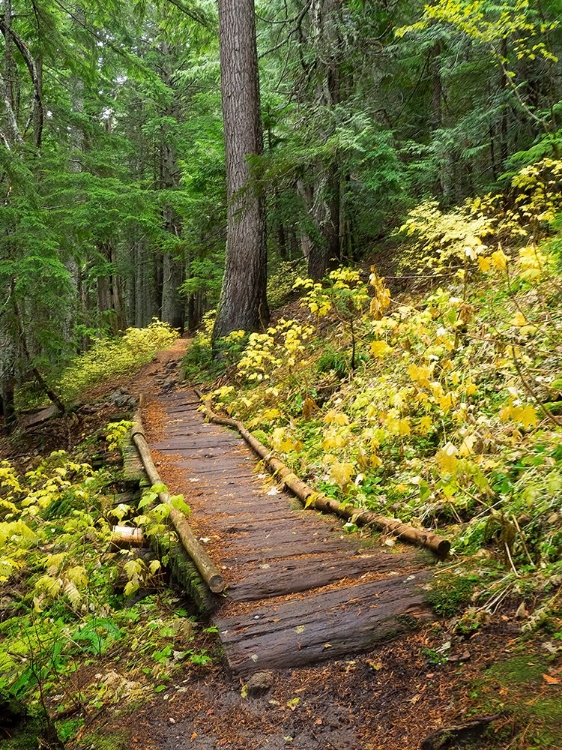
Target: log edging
(206, 567)
(422, 537)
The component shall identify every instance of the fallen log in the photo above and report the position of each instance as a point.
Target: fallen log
(208, 570)
(320, 502)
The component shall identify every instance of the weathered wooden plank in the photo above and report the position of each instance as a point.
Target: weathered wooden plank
(283, 577)
(321, 626)
(240, 555)
(257, 524)
(189, 445)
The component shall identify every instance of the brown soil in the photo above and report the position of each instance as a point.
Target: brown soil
(389, 699)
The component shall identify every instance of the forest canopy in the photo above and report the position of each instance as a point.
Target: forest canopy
(112, 151)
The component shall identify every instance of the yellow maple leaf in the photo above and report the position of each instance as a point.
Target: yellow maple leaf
(425, 425)
(446, 401)
(531, 263)
(404, 427)
(271, 414)
(526, 415)
(341, 473)
(380, 348)
(447, 459)
(506, 413)
(334, 439)
(392, 422)
(519, 320)
(499, 260)
(336, 417)
(419, 374)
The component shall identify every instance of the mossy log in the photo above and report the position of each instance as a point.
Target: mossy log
(184, 572)
(320, 502)
(206, 567)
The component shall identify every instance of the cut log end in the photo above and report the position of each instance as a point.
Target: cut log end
(217, 584)
(123, 536)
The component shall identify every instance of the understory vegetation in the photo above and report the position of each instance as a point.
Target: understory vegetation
(86, 623)
(440, 406)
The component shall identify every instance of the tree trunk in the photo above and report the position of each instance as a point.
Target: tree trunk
(173, 306)
(243, 303)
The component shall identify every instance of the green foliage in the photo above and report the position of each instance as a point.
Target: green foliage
(108, 358)
(451, 593)
(331, 360)
(116, 433)
(281, 283)
(69, 587)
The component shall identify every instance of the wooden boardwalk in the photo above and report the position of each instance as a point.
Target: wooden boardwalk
(301, 590)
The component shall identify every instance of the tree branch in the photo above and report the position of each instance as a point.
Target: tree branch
(37, 104)
(13, 135)
(298, 21)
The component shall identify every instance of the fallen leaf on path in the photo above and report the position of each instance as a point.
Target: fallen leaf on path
(550, 680)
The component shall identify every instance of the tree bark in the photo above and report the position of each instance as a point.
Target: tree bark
(243, 303)
(173, 305)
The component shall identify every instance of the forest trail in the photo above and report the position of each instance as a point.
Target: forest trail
(300, 589)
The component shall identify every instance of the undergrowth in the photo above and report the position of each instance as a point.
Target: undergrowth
(439, 409)
(110, 357)
(85, 625)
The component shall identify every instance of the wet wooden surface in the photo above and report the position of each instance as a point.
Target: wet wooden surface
(301, 590)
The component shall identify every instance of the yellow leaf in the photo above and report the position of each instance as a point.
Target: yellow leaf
(419, 374)
(499, 260)
(334, 439)
(425, 424)
(527, 416)
(341, 473)
(446, 401)
(336, 417)
(519, 320)
(404, 426)
(484, 263)
(271, 414)
(277, 437)
(311, 499)
(447, 459)
(77, 575)
(466, 448)
(505, 414)
(380, 348)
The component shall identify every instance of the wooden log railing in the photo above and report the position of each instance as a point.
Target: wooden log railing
(206, 567)
(320, 502)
